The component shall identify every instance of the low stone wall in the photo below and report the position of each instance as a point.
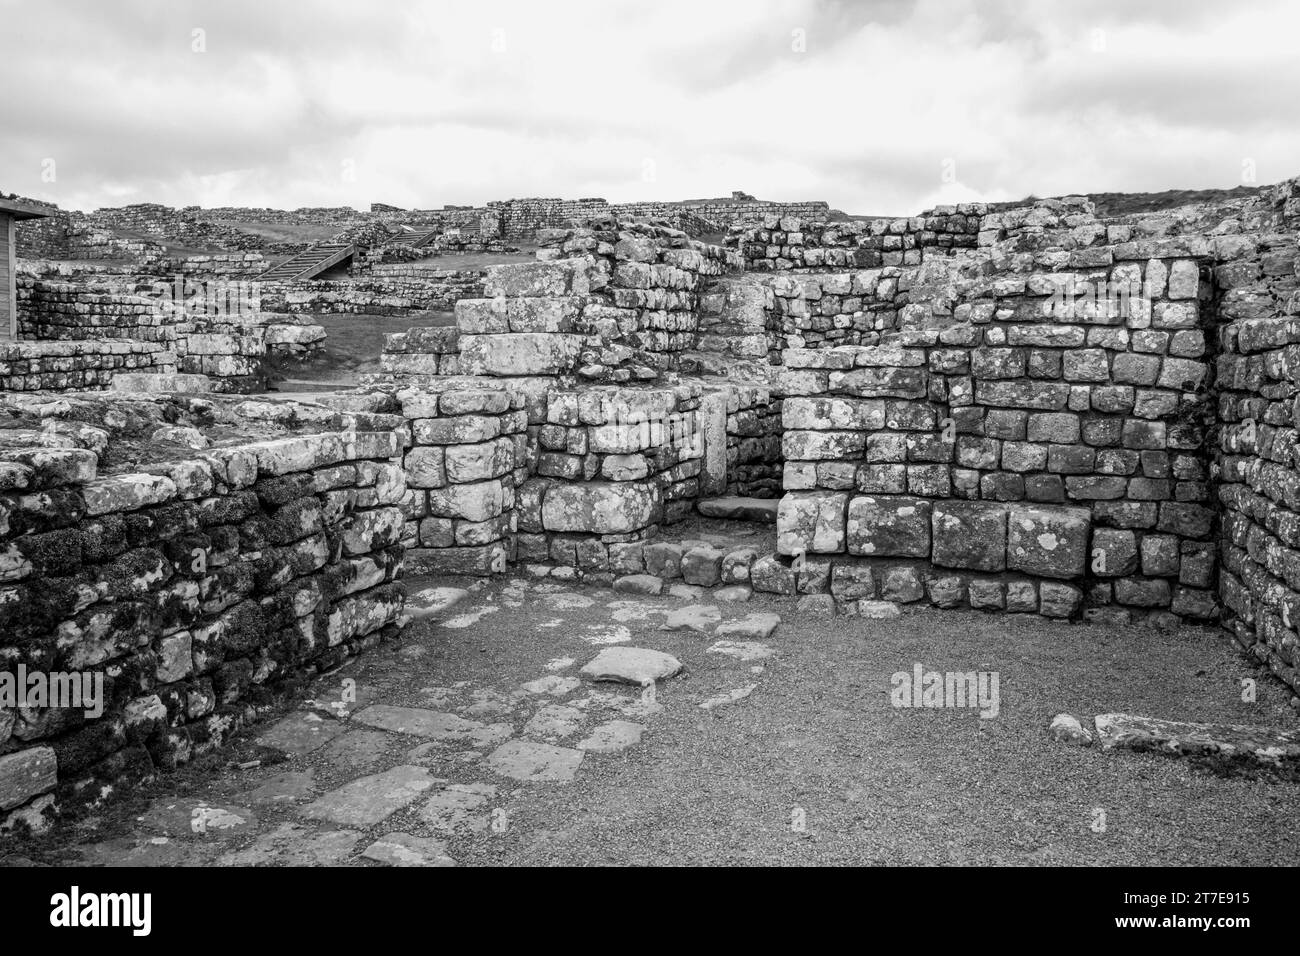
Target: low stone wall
(49, 309)
(826, 310)
(389, 290)
(468, 455)
(613, 464)
(755, 465)
(787, 242)
(1256, 457)
(73, 365)
(196, 590)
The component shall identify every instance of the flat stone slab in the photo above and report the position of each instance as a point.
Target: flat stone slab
(434, 724)
(301, 733)
(551, 684)
(1224, 746)
(358, 749)
(368, 800)
(686, 592)
(533, 762)
(200, 819)
(613, 736)
(292, 844)
(740, 509)
(741, 650)
(702, 618)
(403, 849)
(453, 809)
(729, 697)
(283, 788)
(553, 721)
(733, 593)
(757, 627)
(433, 601)
(632, 665)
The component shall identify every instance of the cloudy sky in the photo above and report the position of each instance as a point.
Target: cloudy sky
(877, 106)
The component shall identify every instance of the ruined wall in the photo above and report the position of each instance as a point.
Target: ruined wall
(468, 455)
(198, 589)
(1083, 393)
(75, 365)
(390, 290)
(49, 309)
(1258, 305)
(522, 219)
(785, 242)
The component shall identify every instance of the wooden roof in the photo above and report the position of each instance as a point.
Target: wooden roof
(21, 209)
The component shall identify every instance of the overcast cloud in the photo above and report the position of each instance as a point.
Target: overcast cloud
(892, 105)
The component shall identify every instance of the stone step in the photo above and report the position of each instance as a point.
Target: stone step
(740, 509)
(161, 382)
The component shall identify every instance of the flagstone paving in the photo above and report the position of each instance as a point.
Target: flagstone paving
(496, 732)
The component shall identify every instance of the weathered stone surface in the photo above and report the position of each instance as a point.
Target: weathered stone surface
(758, 626)
(612, 736)
(970, 534)
(292, 844)
(369, 800)
(26, 774)
(702, 566)
(883, 526)
(199, 819)
(811, 523)
(301, 733)
(601, 507)
(631, 665)
(739, 509)
(1224, 746)
(1048, 542)
(535, 763)
(403, 849)
(770, 575)
(1067, 729)
(434, 724)
(639, 584)
(701, 618)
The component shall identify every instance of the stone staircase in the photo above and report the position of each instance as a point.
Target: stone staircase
(413, 239)
(309, 263)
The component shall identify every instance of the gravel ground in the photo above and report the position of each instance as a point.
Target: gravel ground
(817, 743)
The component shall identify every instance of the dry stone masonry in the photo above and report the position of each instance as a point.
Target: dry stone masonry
(1026, 410)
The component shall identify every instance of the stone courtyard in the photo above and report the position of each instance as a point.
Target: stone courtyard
(625, 549)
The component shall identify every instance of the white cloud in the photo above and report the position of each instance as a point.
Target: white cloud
(435, 103)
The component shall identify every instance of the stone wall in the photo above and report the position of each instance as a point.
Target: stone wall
(1256, 452)
(388, 290)
(523, 219)
(468, 455)
(784, 242)
(198, 590)
(78, 365)
(613, 463)
(1083, 394)
(755, 468)
(49, 309)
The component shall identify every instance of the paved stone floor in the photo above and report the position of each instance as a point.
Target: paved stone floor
(748, 733)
